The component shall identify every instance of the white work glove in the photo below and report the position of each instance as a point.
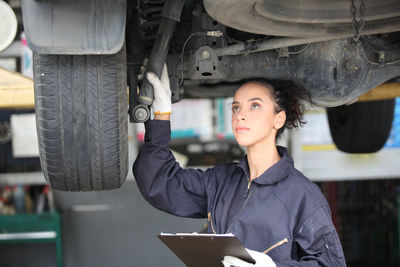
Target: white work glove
(262, 260)
(162, 92)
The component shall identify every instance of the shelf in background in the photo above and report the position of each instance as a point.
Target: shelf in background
(22, 178)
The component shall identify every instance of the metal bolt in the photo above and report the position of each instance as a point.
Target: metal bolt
(140, 113)
(351, 65)
(205, 54)
(381, 58)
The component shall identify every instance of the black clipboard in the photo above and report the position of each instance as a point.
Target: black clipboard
(199, 250)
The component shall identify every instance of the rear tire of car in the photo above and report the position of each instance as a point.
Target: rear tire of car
(362, 127)
(81, 116)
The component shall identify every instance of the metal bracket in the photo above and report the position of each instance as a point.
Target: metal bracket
(283, 52)
(206, 65)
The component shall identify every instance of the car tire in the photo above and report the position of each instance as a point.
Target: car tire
(362, 127)
(81, 117)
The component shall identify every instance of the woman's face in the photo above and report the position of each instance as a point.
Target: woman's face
(254, 118)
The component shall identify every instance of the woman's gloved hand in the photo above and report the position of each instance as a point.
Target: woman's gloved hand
(162, 92)
(262, 260)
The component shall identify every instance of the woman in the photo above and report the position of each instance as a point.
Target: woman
(276, 212)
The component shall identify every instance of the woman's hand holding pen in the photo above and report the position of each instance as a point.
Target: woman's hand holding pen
(262, 260)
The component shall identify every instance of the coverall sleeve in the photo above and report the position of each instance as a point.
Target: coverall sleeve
(161, 180)
(316, 242)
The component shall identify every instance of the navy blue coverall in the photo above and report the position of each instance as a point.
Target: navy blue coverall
(281, 212)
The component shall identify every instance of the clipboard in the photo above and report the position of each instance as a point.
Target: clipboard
(199, 250)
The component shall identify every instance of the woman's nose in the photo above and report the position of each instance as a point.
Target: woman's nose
(241, 116)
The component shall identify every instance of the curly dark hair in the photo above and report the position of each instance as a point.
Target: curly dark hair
(287, 97)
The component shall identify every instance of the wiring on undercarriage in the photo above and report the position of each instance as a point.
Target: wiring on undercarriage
(381, 55)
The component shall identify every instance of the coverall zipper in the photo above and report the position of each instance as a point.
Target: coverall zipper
(244, 204)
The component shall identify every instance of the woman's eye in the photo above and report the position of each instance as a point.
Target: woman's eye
(255, 106)
(235, 108)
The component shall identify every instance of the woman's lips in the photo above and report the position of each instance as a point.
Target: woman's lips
(241, 129)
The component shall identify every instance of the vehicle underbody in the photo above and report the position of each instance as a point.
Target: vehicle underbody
(208, 57)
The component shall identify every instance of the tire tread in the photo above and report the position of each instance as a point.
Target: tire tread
(81, 116)
(361, 127)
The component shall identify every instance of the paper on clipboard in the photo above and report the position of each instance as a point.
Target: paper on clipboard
(199, 250)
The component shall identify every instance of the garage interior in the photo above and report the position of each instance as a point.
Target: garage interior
(119, 228)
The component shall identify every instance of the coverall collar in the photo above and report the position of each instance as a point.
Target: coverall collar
(273, 174)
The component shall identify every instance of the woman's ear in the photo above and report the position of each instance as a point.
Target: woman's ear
(280, 119)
